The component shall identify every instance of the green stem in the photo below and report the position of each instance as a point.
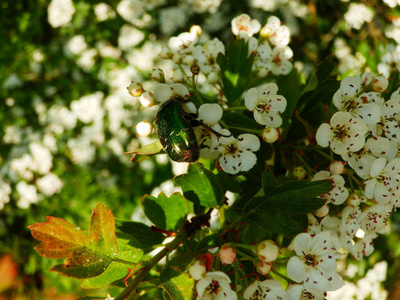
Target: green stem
(124, 261)
(236, 108)
(283, 276)
(147, 268)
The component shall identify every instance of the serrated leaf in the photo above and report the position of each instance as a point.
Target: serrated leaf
(168, 213)
(87, 254)
(176, 285)
(137, 234)
(201, 186)
(269, 182)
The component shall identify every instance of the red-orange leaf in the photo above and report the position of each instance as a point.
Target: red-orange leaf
(87, 255)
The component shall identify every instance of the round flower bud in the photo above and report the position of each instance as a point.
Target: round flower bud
(189, 60)
(263, 268)
(135, 89)
(267, 251)
(270, 134)
(355, 200)
(144, 128)
(177, 76)
(165, 52)
(158, 75)
(197, 270)
(196, 29)
(227, 255)
(265, 32)
(322, 211)
(299, 173)
(213, 77)
(379, 83)
(210, 113)
(147, 99)
(336, 167)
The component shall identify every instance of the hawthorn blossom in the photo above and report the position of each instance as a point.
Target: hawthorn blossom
(350, 97)
(244, 26)
(344, 133)
(237, 154)
(364, 246)
(338, 194)
(266, 104)
(299, 292)
(215, 286)
(183, 44)
(206, 55)
(391, 117)
(197, 270)
(374, 219)
(209, 114)
(315, 263)
(275, 32)
(267, 251)
(267, 289)
(164, 91)
(384, 182)
(349, 226)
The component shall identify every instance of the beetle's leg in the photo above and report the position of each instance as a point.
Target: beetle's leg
(202, 124)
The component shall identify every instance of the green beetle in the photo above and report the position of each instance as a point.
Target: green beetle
(175, 130)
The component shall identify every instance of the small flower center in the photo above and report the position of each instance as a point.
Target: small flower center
(262, 108)
(311, 260)
(231, 148)
(340, 132)
(213, 288)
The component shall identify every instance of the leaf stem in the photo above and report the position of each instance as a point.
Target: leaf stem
(146, 269)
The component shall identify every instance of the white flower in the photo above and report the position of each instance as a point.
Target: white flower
(350, 98)
(215, 286)
(299, 292)
(344, 134)
(267, 289)
(281, 64)
(244, 26)
(135, 89)
(266, 104)
(183, 44)
(60, 12)
(88, 108)
(363, 247)
(277, 34)
(49, 184)
(391, 117)
(315, 263)
(206, 55)
(374, 219)
(338, 194)
(385, 181)
(358, 14)
(209, 114)
(5, 191)
(28, 194)
(349, 226)
(129, 37)
(103, 12)
(237, 154)
(163, 91)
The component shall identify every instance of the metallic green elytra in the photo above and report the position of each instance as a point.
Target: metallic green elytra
(175, 131)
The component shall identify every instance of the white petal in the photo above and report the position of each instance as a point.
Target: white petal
(210, 113)
(247, 161)
(324, 134)
(251, 98)
(296, 269)
(302, 243)
(249, 142)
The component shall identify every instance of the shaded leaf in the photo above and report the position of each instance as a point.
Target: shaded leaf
(168, 213)
(201, 186)
(176, 285)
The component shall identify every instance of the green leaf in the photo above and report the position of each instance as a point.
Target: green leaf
(273, 219)
(269, 182)
(176, 285)
(240, 120)
(168, 213)
(87, 255)
(228, 183)
(210, 241)
(201, 186)
(236, 68)
(137, 234)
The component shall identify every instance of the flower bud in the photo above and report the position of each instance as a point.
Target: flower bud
(355, 200)
(270, 134)
(165, 52)
(267, 251)
(135, 89)
(147, 99)
(227, 255)
(379, 83)
(322, 211)
(158, 75)
(197, 270)
(299, 173)
(177, 76)
(144, 128)
(263, 268)
(213, 77)
(336, 167)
